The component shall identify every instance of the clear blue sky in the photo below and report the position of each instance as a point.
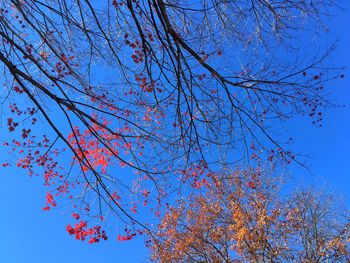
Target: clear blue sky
(30, 235)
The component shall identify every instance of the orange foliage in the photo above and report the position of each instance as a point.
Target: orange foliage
(232, 222)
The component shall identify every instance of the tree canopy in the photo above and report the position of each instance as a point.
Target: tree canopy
(173, 92)
(236, 220)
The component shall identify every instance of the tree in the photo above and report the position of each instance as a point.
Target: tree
(170, 90)
(237, 220)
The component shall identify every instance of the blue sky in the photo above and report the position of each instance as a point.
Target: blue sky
(29, 234)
